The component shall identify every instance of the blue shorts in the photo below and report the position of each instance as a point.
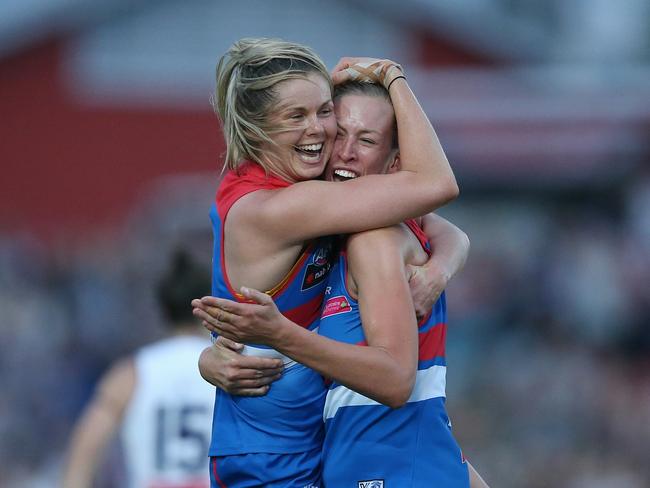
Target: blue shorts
(299, 470)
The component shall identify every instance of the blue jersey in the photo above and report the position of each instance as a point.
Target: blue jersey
(289, 418)
(367, 442)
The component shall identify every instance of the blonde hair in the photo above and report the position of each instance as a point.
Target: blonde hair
(245, 92)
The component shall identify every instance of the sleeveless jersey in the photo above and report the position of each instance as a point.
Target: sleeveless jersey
(370, 444)
(165, 432)
(289, 418)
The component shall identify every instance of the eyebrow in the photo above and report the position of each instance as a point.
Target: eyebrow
(362, 131)
(282, 107)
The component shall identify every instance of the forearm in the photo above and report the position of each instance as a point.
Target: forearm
(450, 246)
(420, 148)
(207, 368)
(369, 370)
(373, 370)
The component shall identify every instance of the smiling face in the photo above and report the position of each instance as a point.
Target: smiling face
(364, 141)
(305, 114)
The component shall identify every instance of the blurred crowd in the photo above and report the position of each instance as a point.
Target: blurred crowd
(548, 342)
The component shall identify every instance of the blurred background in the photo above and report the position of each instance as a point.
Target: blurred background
(110, 155)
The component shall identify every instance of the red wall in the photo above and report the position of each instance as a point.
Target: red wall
(68, 167)
(435, 51)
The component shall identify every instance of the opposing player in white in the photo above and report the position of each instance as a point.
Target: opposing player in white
(156, 399)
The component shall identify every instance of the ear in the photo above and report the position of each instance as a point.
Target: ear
(395, 163)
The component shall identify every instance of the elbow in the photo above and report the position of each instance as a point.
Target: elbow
(466, 242)
(450, 190)
(454, 190)
(395, 401)
(399, 396)
(442, 193)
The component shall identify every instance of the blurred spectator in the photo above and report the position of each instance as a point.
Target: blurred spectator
(548, 339)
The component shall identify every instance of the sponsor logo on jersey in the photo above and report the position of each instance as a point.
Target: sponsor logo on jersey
(317, 270)
(336, 305)
(371, 484)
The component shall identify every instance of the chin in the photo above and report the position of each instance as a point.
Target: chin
(313, 173)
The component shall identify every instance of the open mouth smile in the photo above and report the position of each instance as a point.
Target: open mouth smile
(310, 153)
(344, 175)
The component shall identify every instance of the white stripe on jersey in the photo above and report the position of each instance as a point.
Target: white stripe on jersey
(269, 352)
(429, 383)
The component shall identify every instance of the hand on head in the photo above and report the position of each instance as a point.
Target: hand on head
(373, 70)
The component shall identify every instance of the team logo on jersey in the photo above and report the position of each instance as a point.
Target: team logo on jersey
(318, 269)
(336, 305)
(371, 484)
(321, 257)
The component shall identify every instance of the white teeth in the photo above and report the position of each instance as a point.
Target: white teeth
(344, 173)
(311, 147)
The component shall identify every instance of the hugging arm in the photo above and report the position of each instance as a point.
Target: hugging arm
(225, 367)
(383, 371)
(450, 248)
(424, 183)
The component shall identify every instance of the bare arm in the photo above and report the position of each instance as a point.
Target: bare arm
(450, 247)
(385, 370)
(224, 367)
(98, 424)
(425, 183)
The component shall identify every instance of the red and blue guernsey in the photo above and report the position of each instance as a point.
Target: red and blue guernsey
(288, 420)
(370, 444)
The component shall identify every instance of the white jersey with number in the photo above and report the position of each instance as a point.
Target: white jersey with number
(167, 424)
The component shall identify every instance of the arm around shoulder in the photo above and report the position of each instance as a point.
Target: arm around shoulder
(424, 183)
(318, 208)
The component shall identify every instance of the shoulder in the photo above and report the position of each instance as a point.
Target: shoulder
(268, 208)
(391, 239)
(377, 252)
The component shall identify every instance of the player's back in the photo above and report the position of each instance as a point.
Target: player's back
(166, 429)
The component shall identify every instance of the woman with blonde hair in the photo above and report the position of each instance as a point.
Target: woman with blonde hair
(271, 219)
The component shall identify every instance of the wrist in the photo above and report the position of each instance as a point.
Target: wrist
(400, 77)
(392, 73)
(283, 338)
(437, 271)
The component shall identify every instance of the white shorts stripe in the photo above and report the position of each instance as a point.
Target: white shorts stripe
(429, 383)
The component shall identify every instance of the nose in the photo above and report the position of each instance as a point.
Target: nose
(315, 126)
(345, 149)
